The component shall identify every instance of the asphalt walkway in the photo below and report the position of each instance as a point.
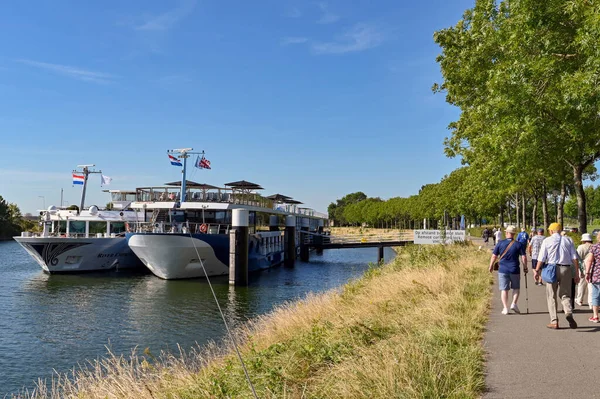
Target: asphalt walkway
(527, 360)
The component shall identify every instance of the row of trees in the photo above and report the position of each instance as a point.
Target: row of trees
(458, 194)
(11, 220)
(525, 75)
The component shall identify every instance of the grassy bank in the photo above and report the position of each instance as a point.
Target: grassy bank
(409, 329)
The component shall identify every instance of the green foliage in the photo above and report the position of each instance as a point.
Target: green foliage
(11, 220)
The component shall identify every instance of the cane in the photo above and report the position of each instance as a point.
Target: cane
(526, 293)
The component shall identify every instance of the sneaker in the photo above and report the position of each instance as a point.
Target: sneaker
(594, 319)
(578, 303)
(515, 308)
(505, 311)
(553, 326)
(571, 320)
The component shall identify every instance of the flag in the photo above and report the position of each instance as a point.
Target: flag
(78, 179)
(175, 161)
(202, 163)
(105, 180)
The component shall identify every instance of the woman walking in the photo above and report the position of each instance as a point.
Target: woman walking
(592, 276)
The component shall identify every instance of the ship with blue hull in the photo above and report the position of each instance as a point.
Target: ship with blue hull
(188, 233)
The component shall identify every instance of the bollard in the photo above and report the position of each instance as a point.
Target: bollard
(273, 223)
(290, 240)
(380, 254)
(304, 248)
(238, 248)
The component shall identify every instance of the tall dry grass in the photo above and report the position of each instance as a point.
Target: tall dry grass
(409, 329)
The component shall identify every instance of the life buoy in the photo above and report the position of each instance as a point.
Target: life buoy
(203, 228)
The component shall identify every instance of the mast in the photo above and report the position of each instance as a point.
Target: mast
(86, 172)
(183, 153)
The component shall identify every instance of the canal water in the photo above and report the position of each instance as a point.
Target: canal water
(55, 322)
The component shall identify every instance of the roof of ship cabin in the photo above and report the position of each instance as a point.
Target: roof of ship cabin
(243, 184)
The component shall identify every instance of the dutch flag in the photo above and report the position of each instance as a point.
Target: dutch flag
(78, 179)
(175, 161)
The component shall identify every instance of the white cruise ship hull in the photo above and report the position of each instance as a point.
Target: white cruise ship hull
(71, 255)
(172, 256)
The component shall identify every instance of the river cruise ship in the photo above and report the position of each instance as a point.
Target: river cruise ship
(190, 238)
(85, 239)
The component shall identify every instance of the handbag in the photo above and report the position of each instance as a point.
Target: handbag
(549, 271)
(497, 262)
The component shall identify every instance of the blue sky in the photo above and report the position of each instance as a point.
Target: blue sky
(314, 100)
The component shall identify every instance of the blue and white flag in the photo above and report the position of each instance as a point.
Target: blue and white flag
(175, 161)
(78, 179)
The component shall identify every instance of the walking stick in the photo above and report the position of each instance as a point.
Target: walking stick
(526, 293)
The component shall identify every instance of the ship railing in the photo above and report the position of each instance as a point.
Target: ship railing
(181, 227)
(269, 242)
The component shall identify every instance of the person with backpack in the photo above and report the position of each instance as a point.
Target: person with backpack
(523, 237)
(559, 260)
(508, 253)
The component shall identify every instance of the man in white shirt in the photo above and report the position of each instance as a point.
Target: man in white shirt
(560, 251)
(498, 235)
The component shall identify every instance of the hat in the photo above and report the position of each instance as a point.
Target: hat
(555, 227)
(586, 237)
(511, 229)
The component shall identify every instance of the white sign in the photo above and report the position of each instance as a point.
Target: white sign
(439, 236)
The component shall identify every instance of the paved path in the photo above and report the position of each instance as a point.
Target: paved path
(528, 360)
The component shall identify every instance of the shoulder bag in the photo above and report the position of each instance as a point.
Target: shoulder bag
(497, 262)
(549, 271)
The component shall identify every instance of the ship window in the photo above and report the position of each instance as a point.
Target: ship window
(76, 227)
(117, 227)
(97, 227)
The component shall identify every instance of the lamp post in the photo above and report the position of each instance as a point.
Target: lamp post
(43, 201)
(555, 193)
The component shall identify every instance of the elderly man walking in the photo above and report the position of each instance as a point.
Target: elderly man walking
(559, 252)
(534, 250)
(509, 272)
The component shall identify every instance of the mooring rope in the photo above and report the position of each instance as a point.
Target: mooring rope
(235, 344)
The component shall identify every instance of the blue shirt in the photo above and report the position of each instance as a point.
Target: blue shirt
(510, 261)
(523, 237)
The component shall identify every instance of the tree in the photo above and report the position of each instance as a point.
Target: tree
(524, 74)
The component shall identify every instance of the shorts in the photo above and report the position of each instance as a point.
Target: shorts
(595, 294)
(507, 281)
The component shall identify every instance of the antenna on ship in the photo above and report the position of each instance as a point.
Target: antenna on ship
(86, 171)
(183, 153)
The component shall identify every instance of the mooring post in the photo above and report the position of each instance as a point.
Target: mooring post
(238, 248)
(290, 240)
(273, 223)
(380, 254)
(304, 248)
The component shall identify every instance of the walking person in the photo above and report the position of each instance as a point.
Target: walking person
(486, 235)
(508, 253)
(592, 276)
(498, 235)
(582, 288)
(559, 253)
(523, 237)
(534, 249)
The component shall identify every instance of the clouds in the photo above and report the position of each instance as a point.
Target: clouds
(327, 16)
(360, 37)
(70, 71)
(166, 20)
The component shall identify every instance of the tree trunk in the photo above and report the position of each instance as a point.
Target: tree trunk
(523, 208)
(517, 209)
(501, 215)
(534, 212)
(545, 207)
(509, 213)
(561, 204)
(581, 213)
